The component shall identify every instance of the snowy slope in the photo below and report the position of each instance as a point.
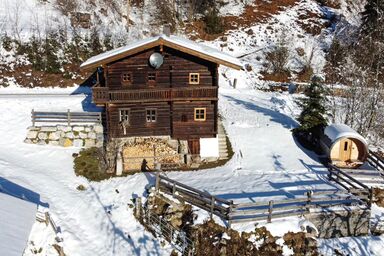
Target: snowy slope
(267, 164)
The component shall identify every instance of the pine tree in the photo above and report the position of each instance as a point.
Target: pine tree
(95, 43)
(51, 48)
(313, 114)
(373, 18)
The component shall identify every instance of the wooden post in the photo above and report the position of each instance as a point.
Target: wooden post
(138, 208)
(157, 182)
(100, 118)
(212, 205)
(230, 209)
(69, 117)
(370, 190)
(309, 197)
(234, 83)
(154, 158)
(270, 211)
(173, 189)
(33, 117)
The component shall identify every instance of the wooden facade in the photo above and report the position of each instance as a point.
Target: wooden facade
(178, 99)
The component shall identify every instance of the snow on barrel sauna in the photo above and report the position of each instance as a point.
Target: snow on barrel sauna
(344, 146)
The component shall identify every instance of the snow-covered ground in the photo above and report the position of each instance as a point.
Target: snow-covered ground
(267, 164)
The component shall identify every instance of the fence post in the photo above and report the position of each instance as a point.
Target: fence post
(100, 118)
(173, 189)
(270, 211)
(69, 117)
(138, 208)
(234, 83)
(212, 205)
(229, 213)
(33, 117)
(309, 197)
(157, 184)
(370, 190)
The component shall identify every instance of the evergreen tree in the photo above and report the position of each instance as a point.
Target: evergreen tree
(373, 19)
(51, 48)
(213, 22)
(313, 114)
(95, 43)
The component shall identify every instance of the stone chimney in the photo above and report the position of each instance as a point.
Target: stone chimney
(167, 30)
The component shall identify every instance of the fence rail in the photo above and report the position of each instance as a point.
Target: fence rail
(255, 211)
(376, 161)
(350, 184)
(67, 117)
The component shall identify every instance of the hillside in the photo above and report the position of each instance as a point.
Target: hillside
(45, 41)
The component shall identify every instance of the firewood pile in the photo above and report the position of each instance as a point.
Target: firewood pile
(134, 154)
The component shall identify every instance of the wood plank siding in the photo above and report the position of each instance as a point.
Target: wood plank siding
(133, 86)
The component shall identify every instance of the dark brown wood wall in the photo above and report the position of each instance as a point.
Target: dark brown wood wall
(138, 124)
(189, 128)
(173, 73)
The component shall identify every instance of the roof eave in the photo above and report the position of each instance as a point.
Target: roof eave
(154, 44)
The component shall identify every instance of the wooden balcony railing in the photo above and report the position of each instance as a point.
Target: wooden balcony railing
(104, 95)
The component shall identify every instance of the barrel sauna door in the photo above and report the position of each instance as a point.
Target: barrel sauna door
(345, 150)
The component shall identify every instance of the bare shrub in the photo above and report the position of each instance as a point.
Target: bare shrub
(66, 6)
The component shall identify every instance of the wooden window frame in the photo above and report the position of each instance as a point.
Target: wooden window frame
(126, 82)
(126, 110)
(191, 79)
(150, 115)
(152, 82)
(199, 119)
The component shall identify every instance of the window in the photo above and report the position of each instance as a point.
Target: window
(126, 78)
(124, 115)
(194, 78)
(200, 114)
(151, 77)
(346, 146)
(151, 115)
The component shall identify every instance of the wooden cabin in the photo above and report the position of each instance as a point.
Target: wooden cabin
(160, 86)
(344, 147)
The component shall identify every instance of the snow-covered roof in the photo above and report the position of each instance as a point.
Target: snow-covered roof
(17, 218)
(337, 131)
(179, 43)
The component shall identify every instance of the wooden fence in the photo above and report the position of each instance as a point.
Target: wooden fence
(254, 211)
(376, 161)
(67, 117)
(350, 184)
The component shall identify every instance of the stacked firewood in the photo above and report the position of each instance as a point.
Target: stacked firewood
(146, 151)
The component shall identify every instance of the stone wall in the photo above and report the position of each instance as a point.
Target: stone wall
(66, 136)
(353, 221)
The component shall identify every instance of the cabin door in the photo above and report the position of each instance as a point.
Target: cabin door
(345, 150)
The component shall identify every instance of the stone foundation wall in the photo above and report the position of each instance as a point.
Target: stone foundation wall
(341, 223)
(66, 136)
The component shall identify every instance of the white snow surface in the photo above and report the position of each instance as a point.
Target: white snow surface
(16, 220)
(336, 131)
(268, 165)
(209, 147)
(182, 42)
